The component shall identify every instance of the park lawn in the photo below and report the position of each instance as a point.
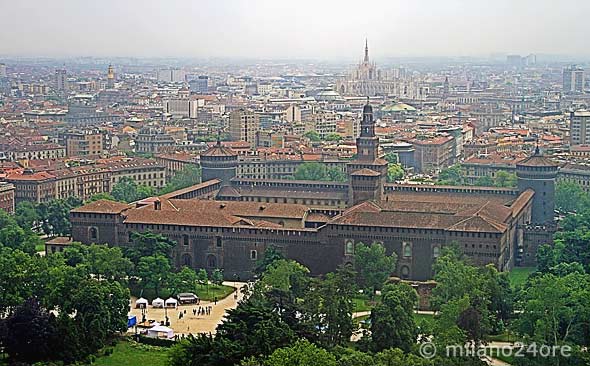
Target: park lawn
(423, 317)
(40, 248)
(519, 275)
(202, 292)
(133, 354)
(364, 303)
(214, 291)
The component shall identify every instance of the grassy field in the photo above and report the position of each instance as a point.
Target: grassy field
(203, 292)
(214, 291)
(364, 303)
(39, 247)
(133, 354)
(518, 275)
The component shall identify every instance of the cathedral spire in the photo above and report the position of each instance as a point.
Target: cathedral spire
(366, 51)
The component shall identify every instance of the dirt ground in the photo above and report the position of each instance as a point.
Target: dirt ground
(190, 324)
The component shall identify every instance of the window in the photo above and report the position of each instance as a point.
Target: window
(93, 233)
(405, 272)
(349, 247)
(186, 260)
(253, 255)
(211, 261)
(185, 240)
(218, 242)
(407, 250)
(436, 251)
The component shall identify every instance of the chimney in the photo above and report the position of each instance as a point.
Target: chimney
(157, 205)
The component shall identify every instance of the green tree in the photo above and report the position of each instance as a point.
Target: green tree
(217, 277)
(484, 181)
(284, 275)
(391, 158)
(187, 177)
(333, 137)
(392, 321)
(146, 244)
(15, 286)
(505, 179)
(311, 171)
(102, 261)
(570, 197)
(126, 190)
(556, 310)
(184, 280)
(202, 277)
(395, 357)
(335, 307)
(55, 215)
(336, 175)
(102, 196)
(154, 271)
(271, 254)
(26, 214)
(394, 172)
(313, 136)
(451, 176)
(29, 333)
(302, 353)
(373, 265)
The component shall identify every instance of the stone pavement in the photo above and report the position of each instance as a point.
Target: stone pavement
(189, 323)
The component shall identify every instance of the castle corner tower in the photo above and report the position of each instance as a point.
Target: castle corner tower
(538, 173)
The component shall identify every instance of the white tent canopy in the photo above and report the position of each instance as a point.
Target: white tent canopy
(171, 302)
(141, 302)
(158, 303)
(160, 331)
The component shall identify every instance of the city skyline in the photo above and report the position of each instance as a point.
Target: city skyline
(324, 31)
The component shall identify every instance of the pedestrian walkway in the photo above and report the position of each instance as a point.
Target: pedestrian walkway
(199, 323)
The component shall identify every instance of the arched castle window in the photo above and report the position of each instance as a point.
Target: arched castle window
(405, 272)
(211, 261)
(93, 233)
(185, 240)
(436, 251)
(407, 250)
(253, 255)
(187, 260)
(349, 247)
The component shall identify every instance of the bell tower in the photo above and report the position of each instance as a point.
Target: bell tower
(367, 173)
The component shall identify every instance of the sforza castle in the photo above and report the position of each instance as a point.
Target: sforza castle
(227, 223)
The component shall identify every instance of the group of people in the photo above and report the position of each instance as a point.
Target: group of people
(201, 310)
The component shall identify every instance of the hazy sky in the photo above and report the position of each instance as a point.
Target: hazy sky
(318, 29)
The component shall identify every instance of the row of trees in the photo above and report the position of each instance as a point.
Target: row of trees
(66, 306)
(127, 190)
(454, 176)
(59, 309)
(289, 317)
(318, 171)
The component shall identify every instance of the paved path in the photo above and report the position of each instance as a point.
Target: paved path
(194, 324)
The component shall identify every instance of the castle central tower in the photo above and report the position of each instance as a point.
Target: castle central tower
(367, 173)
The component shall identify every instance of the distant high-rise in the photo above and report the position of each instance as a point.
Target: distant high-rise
(61, 80)
(2, 70)
(171, 75)
(111, 77)
(243, 126)
(200, 85)
(580, 127)
(573, 79)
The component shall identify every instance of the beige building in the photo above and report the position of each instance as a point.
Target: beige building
(86, 143)
(579, 121)
(243, 126)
